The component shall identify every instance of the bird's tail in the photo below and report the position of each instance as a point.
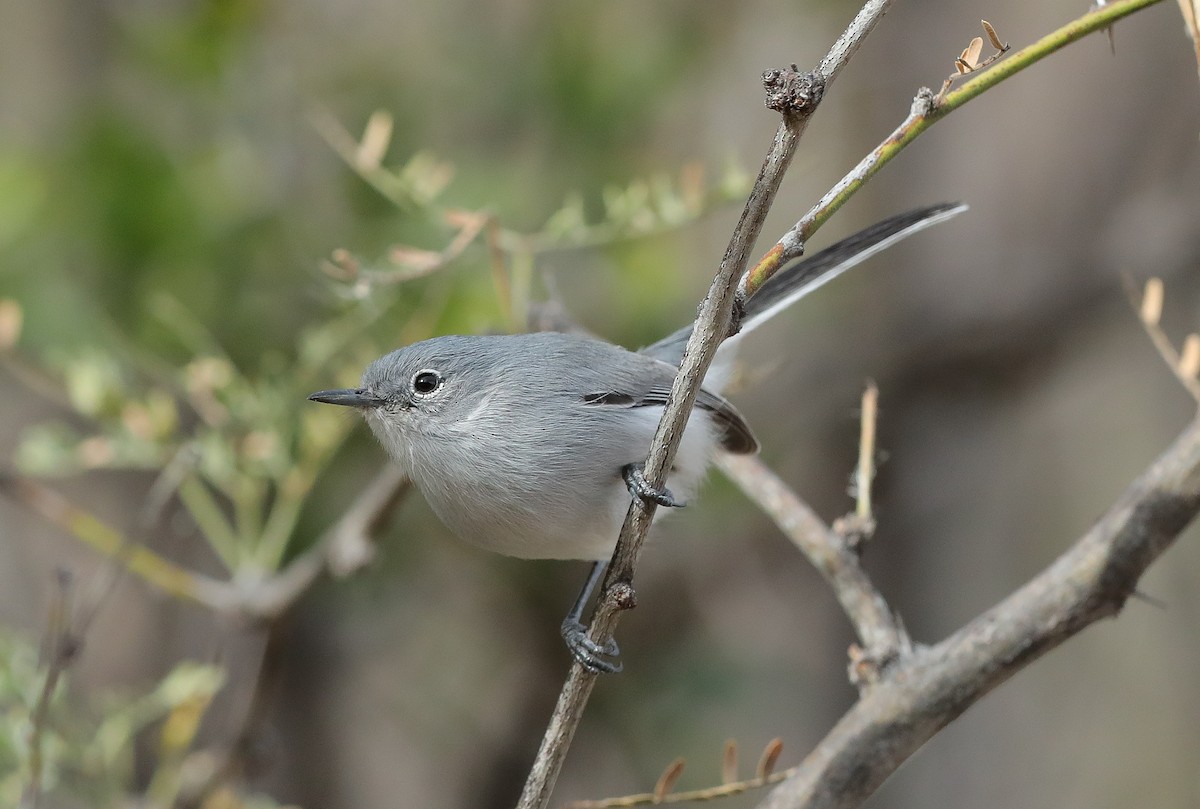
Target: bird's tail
(794, 281)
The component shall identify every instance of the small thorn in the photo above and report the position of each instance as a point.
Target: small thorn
(666, 781)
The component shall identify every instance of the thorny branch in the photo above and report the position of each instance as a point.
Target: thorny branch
(712, 325)
(834, 551)
(926, 110)
(926, 690)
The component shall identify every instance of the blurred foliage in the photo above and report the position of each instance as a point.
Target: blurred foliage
(87, 747)
(160, 289)
(256, 445)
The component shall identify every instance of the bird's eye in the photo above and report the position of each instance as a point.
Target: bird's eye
(426, 382)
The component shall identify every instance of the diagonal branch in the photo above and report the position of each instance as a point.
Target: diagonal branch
(834, 550)
(796, 96)
(345, 547)
(927, 690)
(926, 110)
(878, 628)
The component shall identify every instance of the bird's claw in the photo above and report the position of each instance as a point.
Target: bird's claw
(591, 655)
(639, 487)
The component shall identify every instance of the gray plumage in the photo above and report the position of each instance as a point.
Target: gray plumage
(520, 446)
(518, 442)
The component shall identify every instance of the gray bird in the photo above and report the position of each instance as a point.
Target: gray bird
(530, 444)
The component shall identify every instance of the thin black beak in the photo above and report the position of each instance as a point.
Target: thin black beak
(358, 397)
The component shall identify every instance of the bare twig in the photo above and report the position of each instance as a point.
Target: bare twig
(924, 112)
(765, 775)
(61, 647)
(687, 796)
(1181, 362)
(344, 548)
(800, 95)
(928, 689)
(879, 630)
(865, 473)
(858, 526)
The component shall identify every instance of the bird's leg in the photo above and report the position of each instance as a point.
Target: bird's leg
(639, 487)
(590, 654)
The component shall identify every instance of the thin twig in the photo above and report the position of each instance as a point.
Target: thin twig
(686, 796)
(345, 547)
(712, 325)
(924, 112)
(864, 473)
(1149, 308)
(60, 650)
(858, 526)
(928, 689)
(103, 538)
(877, 627)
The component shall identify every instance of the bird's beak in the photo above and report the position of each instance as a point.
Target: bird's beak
(358, 397)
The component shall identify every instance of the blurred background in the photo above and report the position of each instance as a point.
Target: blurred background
(171, 195)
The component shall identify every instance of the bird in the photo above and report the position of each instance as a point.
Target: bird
(530, 445)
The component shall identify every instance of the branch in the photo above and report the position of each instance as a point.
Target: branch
(342, 549)
(61, 647)
(108, 541)
(1184, 363)
(927, 110)
(927, 690)
(878, 628)
(834, 550)
(796, 97)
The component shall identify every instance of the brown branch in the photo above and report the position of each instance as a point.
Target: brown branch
(877, 627)
(1149, 311)
(926, 110)
(834, 550)
(796, 97)
(925, 691)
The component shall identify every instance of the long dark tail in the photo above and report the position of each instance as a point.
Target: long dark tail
(796, 280)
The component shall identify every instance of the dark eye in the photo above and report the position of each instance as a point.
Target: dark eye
(426, 382)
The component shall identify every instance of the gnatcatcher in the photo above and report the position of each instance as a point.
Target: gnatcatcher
(531, 444)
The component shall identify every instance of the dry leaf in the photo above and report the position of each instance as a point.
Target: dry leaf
(376, 137)
(1152, 302)
(769, 758)
(666, 781)
(1189, 357)
(729, 757)
(992, 36)
(970, 56)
